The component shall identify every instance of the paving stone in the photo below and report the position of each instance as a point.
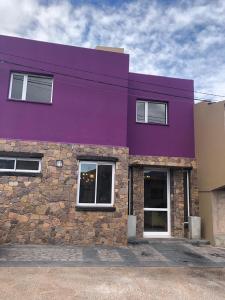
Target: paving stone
(109, 255)
(155, 254)
(147, 253)
(212, 253)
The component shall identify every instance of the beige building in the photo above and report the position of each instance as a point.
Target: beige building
(210, 154)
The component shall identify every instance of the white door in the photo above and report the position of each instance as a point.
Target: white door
(156, 203)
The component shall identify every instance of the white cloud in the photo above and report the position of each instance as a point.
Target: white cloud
(185, 39)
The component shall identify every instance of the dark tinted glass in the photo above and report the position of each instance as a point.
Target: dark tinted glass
(39, 89)
(104, 184)
(155, 221)
(17, 87)
(155, 189)
(7, 164)
(27, 165)
(87, 183)
(157, 113)
(140, 111)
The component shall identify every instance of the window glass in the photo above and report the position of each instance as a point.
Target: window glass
(156, 112)
(87, 183)
(17, 86)
(155, 189)
(7, 164)
(39, 89)
(104, 184)
(19, 165)
(27, 165)
(155, 221)
(140, 111)
(96, 183)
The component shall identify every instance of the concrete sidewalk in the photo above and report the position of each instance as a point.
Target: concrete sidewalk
(152, 254)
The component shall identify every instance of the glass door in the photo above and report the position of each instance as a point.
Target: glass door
(156, 203)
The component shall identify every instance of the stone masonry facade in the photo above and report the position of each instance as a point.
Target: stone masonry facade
(176, 166)
(42, 210)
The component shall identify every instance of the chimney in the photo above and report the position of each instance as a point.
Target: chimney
(110, 49)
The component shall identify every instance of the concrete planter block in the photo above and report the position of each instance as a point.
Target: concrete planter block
(194, 227)
(132, 221)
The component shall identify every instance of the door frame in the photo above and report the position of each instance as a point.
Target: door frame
(147, 234)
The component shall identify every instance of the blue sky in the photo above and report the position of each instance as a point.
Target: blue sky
(182, 38)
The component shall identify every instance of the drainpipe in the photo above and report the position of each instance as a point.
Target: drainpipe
(130, 191)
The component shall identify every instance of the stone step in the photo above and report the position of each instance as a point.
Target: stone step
(195, 242)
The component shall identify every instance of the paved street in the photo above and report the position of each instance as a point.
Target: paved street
(152, 254)
(127, 283)
(154, 270)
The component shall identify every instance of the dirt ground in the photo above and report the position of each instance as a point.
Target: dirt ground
(111, 283)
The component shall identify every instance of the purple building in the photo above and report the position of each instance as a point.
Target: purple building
(89, 152)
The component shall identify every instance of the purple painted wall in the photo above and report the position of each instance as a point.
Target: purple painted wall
(88, 111)
(82, 111)
(175, 139)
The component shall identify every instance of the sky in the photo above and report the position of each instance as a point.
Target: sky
(175, 38)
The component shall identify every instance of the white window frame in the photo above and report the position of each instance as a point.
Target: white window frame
(24, 88)
(159, 234)
(146, 112)
(96, 163)
(15, 170)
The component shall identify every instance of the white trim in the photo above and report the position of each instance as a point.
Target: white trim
(155, 209)
(139, 101)
(11, 83)
(147, 234)
(24, 88)
(166, 112)
(156, 235)
(15, 170)
(52, 89)
(24, 91)
(96, 163)
(10, 86)
(146, 111)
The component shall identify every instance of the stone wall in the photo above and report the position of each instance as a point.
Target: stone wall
(194, 203)
(163, 161)
(138, 199)
(177, 203)
(43, 209)
(175, 164)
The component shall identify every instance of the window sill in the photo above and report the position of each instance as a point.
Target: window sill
(150, 123)
(96, 208)
(5, 173)
(29, 101)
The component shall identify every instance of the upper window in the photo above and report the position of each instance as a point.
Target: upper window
(96, 184)
(24, 165)
(29, 87)
(151, 112)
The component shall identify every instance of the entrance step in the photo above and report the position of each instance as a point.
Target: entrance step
(198, 242)
(133, 241)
